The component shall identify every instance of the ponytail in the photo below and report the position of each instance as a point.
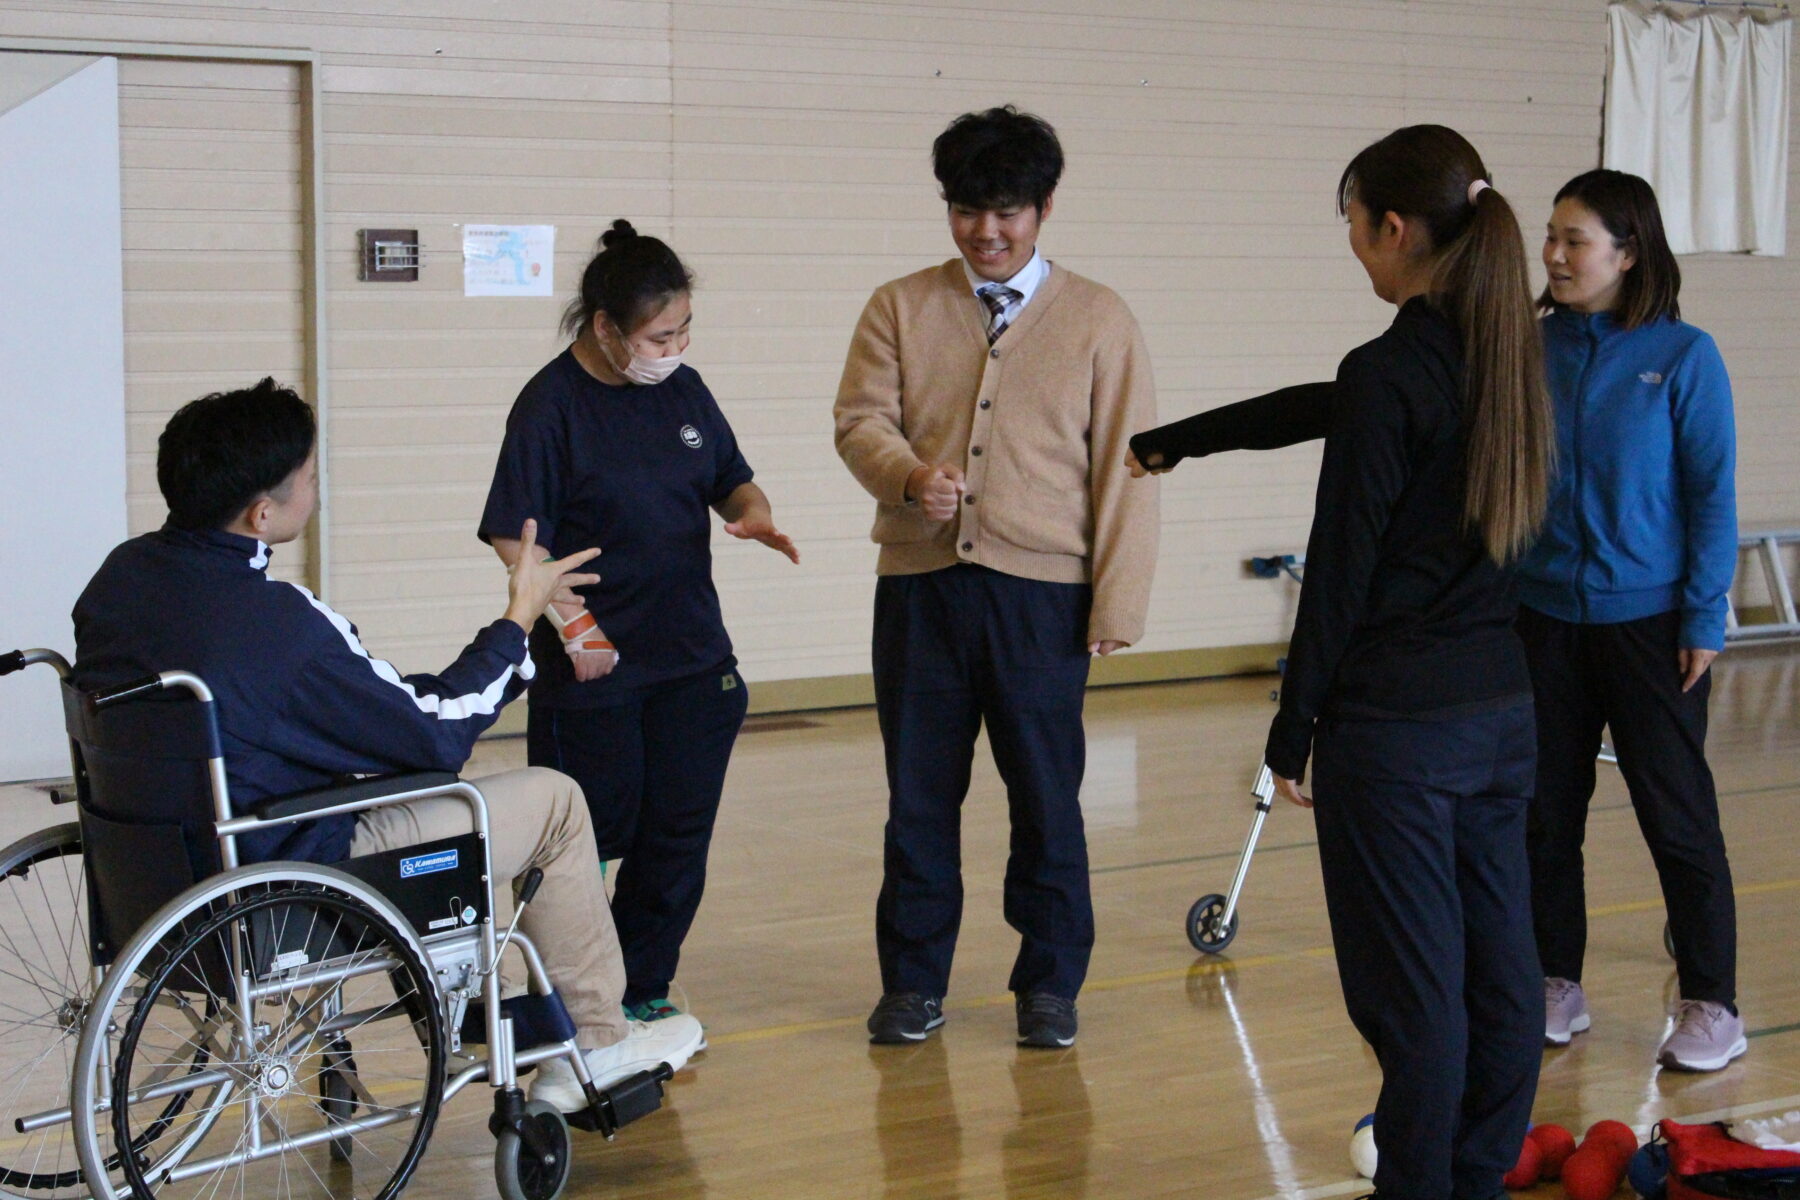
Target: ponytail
(1487, 292)
(1480, 281)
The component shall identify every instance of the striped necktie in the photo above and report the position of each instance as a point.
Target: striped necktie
(997, 297)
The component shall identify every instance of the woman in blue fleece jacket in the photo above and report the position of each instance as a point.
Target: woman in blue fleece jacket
(1624, 600)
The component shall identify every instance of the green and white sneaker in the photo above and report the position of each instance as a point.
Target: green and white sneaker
(660, 1009)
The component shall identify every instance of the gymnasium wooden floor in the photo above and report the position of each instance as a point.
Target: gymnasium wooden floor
(1237, 1077)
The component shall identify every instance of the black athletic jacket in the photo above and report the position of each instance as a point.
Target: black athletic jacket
(1402, 613)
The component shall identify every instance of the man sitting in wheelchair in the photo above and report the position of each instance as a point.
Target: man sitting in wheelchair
(302, 704)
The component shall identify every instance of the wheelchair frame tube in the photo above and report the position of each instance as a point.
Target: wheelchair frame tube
(168, 1087)
(541, 981)
(355, 1125)
(41, 655)
(477, 1072)
(215, 766)
(282, 984)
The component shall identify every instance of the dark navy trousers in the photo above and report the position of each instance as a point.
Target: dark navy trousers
(954, 649)
(653, 771)
(1422, 840)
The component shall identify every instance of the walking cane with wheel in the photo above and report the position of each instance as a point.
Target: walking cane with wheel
(1213, 920)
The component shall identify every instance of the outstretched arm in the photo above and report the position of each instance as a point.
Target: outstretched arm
(1285, 417)
(588, 648)
(748, 516)
(349, 712)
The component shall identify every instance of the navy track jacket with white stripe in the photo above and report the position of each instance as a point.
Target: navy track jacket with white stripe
(300, 702)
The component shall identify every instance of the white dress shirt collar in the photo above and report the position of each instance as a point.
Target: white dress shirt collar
(1025, 282)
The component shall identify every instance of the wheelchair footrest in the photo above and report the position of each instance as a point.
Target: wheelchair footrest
(537, 1021)
(623, 1102)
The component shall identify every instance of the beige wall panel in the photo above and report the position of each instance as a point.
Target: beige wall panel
(210, 167)
(515, 120)
(553, 82)
(782, 146)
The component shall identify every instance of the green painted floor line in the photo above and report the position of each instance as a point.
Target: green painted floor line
(1197, 858)
(1772, 1030)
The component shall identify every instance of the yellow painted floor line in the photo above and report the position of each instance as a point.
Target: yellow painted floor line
(1743, 889)
(1203, 967)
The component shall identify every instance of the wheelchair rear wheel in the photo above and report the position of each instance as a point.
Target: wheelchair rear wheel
(46, 983)
(46, 992)
(325, 1061)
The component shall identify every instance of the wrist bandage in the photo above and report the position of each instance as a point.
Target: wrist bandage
(580, 633)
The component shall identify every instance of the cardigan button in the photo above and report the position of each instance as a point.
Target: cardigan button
(993, 354)
(975, 450)
(968, 545)
(969, 499)
(987, 404)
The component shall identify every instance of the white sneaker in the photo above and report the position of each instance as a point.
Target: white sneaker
(671, 1040)
(1565, 1010)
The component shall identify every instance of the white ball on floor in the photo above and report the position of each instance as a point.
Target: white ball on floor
(1362, 1147)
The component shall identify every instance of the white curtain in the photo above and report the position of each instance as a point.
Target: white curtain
(1697, 103)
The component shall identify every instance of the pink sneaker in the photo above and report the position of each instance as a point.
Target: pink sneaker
(1565, 1011)
(1706, 1037)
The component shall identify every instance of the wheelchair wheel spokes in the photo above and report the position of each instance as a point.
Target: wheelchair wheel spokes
(325, 1081)
(46, 984)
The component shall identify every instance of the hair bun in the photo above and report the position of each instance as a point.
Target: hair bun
(621, 231)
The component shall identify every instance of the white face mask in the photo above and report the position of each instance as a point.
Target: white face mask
(641, 370)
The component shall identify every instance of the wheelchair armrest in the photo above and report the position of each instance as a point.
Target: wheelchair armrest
(298, 804)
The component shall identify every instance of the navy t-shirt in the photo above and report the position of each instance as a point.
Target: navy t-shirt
(633, 470)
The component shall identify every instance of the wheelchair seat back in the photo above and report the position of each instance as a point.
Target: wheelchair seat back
(144, 792)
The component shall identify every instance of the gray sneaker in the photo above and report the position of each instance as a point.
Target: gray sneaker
(1706, 1037)
(903, 1017)
(1565, 1011)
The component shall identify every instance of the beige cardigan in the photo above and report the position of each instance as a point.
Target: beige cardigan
(1039, 424)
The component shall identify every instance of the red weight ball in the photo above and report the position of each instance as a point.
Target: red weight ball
(1614, 1134)
(1525, 1171)
(1592, 1173)
(1554, 1144)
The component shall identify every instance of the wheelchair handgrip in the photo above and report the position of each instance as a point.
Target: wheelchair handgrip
(106, 697)
(12, 660)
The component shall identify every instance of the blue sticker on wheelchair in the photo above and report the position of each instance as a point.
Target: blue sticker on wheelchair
(428, 864)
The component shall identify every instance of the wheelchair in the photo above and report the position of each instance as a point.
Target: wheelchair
(175, 1024)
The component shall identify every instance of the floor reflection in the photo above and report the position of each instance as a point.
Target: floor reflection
(1046, 1152)
(655, 1161)
(916, 1122)
(1212, 985)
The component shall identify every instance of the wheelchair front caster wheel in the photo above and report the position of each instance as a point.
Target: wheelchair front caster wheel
(1204, 930)
(522, 1173)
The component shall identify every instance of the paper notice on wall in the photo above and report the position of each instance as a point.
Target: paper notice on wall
(509, 260)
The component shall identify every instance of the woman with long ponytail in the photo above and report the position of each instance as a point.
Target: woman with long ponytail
(1406, 684)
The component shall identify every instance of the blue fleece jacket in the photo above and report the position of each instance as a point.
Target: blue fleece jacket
(1643, 507)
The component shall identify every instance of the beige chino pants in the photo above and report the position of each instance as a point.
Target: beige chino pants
(536, 818)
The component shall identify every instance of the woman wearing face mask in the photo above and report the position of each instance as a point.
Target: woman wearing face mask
(1624, 600)
(1406, 684)
(616, 444)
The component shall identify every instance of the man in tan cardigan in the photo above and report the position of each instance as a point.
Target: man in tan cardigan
(986, 404)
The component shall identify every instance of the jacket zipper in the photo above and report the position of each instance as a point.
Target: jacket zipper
(1576, 493)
